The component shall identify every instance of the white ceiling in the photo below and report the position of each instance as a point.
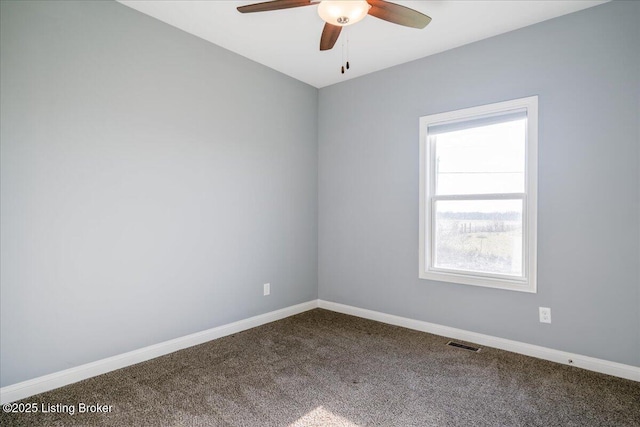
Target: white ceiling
(288, 40)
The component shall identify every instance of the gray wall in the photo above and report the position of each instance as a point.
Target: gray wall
(151, 183)
(585, 67)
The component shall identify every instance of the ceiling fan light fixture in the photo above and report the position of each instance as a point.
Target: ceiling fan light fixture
(343, 12)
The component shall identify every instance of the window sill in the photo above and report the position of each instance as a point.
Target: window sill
(519, 285)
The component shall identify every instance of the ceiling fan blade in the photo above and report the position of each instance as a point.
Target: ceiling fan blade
(274, 5)
(330, 34)
(398, 14)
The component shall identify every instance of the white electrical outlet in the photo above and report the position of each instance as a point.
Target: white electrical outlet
(545, 315)
(267, 288)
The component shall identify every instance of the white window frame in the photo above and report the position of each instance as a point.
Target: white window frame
(528, 282)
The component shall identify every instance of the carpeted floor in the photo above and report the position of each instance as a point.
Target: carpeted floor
(322, 368)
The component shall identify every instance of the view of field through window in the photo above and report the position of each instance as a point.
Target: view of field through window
(480, 228)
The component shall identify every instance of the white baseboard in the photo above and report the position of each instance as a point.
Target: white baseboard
(585, 362)
(34, 386)
(38, 385)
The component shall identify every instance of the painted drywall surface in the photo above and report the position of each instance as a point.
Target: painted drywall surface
(585, 68)
(151, 183)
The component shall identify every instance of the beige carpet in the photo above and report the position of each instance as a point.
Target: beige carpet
(321, 368)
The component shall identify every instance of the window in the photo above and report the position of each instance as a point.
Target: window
(478, 187)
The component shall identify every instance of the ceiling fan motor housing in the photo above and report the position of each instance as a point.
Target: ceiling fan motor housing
(341, 13)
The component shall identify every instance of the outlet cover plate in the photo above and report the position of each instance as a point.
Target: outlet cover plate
(545, 314)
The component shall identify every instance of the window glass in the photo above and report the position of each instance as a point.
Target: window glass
(481, 160)
(479, 236)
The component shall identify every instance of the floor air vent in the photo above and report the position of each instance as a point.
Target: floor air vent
(466, 347)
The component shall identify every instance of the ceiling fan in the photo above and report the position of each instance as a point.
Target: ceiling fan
(340, 13)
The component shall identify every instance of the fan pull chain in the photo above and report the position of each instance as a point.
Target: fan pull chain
(342, 67)
(347, 49)
(345, 64)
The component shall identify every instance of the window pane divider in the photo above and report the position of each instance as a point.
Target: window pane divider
(496, 196)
